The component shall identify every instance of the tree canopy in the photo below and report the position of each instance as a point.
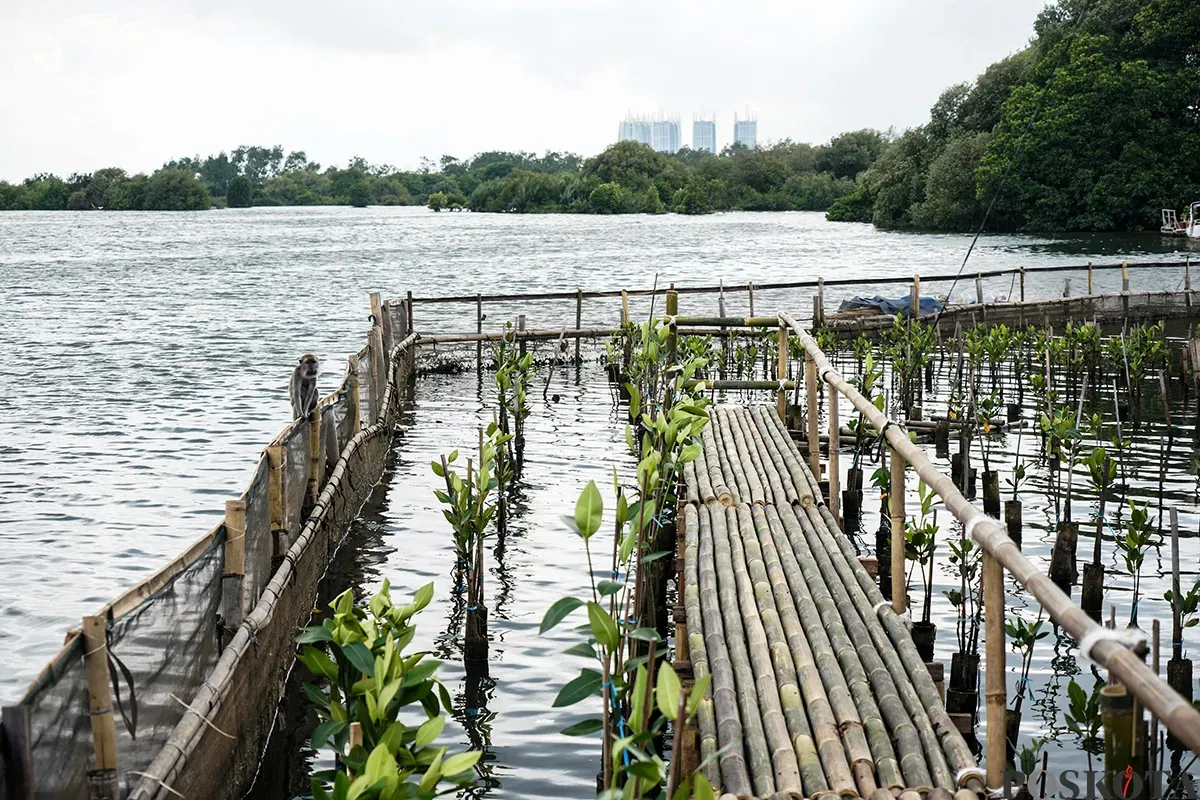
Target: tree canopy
(1094, 126)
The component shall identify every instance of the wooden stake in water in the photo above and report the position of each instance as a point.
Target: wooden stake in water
(103, 779)
(479, 329)
(896, 513)
(995, 693)
(578, 319)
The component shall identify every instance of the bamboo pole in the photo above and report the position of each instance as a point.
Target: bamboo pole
(896, 515)
(776, 435)
(835, 467)
(750, 292)
(355, 395)
(814, 444)
(479, 330)
(995, 691)
(1187, 279)
(578, 319)
(233, 587)
(821, 301)
(1022, 284)
(276, 458)
(1090, 271)
(1125, 665)
(914, 297)
(695, 638)
(314, 453)
(979, 288)
(103, 781)
(781, 374)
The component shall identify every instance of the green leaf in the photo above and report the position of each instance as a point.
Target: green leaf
(430, 730)
(460, 763)
(313, 635)
(558, 612)
(696, 696)
(667, 691)
(315, 695)
(583, 649)
(325, 731)
(358, 655)
(606, 588)
(582, 687)
(646, 635)
(589, 510)
(603, 627)
(318, 663)
(423, 596)
(420, 673)
(584, 727)
(655, 556)
(437, 469)
(689, 453)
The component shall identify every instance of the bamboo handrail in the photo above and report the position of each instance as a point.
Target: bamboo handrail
(1126, 666)
(810, 284)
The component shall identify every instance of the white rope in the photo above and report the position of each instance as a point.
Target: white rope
(159, 781)
(969, 528)
(880, 605)
(669, 319)
(782, 385)
(203, 719)
(1130, 638)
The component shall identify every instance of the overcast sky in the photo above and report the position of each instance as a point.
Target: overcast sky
(133, 83)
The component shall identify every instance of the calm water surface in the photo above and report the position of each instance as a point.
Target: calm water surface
(144, 361)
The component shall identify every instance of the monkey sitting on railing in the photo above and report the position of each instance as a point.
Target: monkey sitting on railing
(303, 388)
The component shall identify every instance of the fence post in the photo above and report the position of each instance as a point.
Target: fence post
(379, 371)
(233, 582)
(521, 339)
(896, 515)
(750, 292)
(102, 780)
(814, 439)
(578, 320)
(781, 395)
(16, 752)
(1125, 288)
(995, 694)
(914, 297)
(276, 456)
(479, 329)
(835, 442)
(355, 394)
(1090, 290)
(627, 348)
(978, 288)
(821, 301)
(314, 459)
(1187, 279)
(408, 308)
(1022, 284)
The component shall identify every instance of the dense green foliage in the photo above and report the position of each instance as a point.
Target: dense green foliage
(1097, 122)
(627, 178)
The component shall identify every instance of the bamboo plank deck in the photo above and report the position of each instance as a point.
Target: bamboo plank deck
(817, 688)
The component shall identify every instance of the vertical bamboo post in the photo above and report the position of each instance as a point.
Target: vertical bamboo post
(750, 292)
(1091, 291)
(233, 581)
(409, 310)
(276, 457)
(1116, 715)
(781, 374)
(978, 289)
(627, 351)
(372, 388)
(1022, 284)
(821, 301)
(673, 337)
(380, 372)
(1124, 276)
(355, 394)
(1187, 279)
(835, 467)
(896, 513)
(314, 458)
(578, 319)
(521, 346)
(103, 780)
(16, 752)
(1176, 616)
(1156, 662)
(479, 329)
(816, 314)
(814, 437)
(914, 297)
(994, 664)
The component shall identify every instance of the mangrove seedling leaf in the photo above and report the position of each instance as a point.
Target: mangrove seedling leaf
(318, 663)
(588, 511)
(558, 612)
(603, 627)
(646, 635)
(696, 696)
(325, 731)
(584, 686)
(667, 691)
(358, 655)
(429, 730)
(583, 650)
(459, 763)
(313, 635)
(420, 672)
(606, 587)
(583, 728)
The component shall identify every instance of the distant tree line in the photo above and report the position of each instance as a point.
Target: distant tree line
(1096, 123)
(626, 178)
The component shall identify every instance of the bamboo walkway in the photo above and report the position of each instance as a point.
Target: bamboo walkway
(817, 688)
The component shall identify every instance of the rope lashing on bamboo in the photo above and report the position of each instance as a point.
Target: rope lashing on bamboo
(1180, 717)
(1130, 638)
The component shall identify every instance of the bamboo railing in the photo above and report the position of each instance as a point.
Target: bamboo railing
(1002, 555)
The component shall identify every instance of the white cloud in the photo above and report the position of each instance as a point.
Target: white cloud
(134, 84)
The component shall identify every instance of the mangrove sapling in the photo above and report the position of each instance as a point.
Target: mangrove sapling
(1083, 717)
(366, 682)
(514, 374)
(1063, 437)
(1027, 761)
(966, 559)
(920, 543)
(997, 344)
(639, 694)
(867, 383)
(1012, 508)
(881, 479)
(1023, 638)
(988, 408)
(1138, 538)
(470, 505)
(1102, 472)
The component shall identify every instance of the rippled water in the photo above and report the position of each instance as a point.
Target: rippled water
(144, 361)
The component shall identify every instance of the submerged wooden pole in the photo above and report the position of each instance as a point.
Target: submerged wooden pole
(1090, 291)
(103, 780)
(1022, 284)
(814, 437)
(750, 292)
(781, 395)
(1187, 279)
(994, 679)
(896, 515)
(578, 319)
(479, 329)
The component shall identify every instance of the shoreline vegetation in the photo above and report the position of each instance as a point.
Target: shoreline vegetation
(1094, 126)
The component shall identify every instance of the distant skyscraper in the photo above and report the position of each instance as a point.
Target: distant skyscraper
(745, 131)
(660, 132)
(704, 135)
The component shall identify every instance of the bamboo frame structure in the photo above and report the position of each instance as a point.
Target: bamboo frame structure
(897, 526)
(1125, 666)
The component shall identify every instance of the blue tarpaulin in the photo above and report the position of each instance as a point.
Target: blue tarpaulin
(891, 305)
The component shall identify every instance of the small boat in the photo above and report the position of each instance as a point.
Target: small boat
(1173, 226)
